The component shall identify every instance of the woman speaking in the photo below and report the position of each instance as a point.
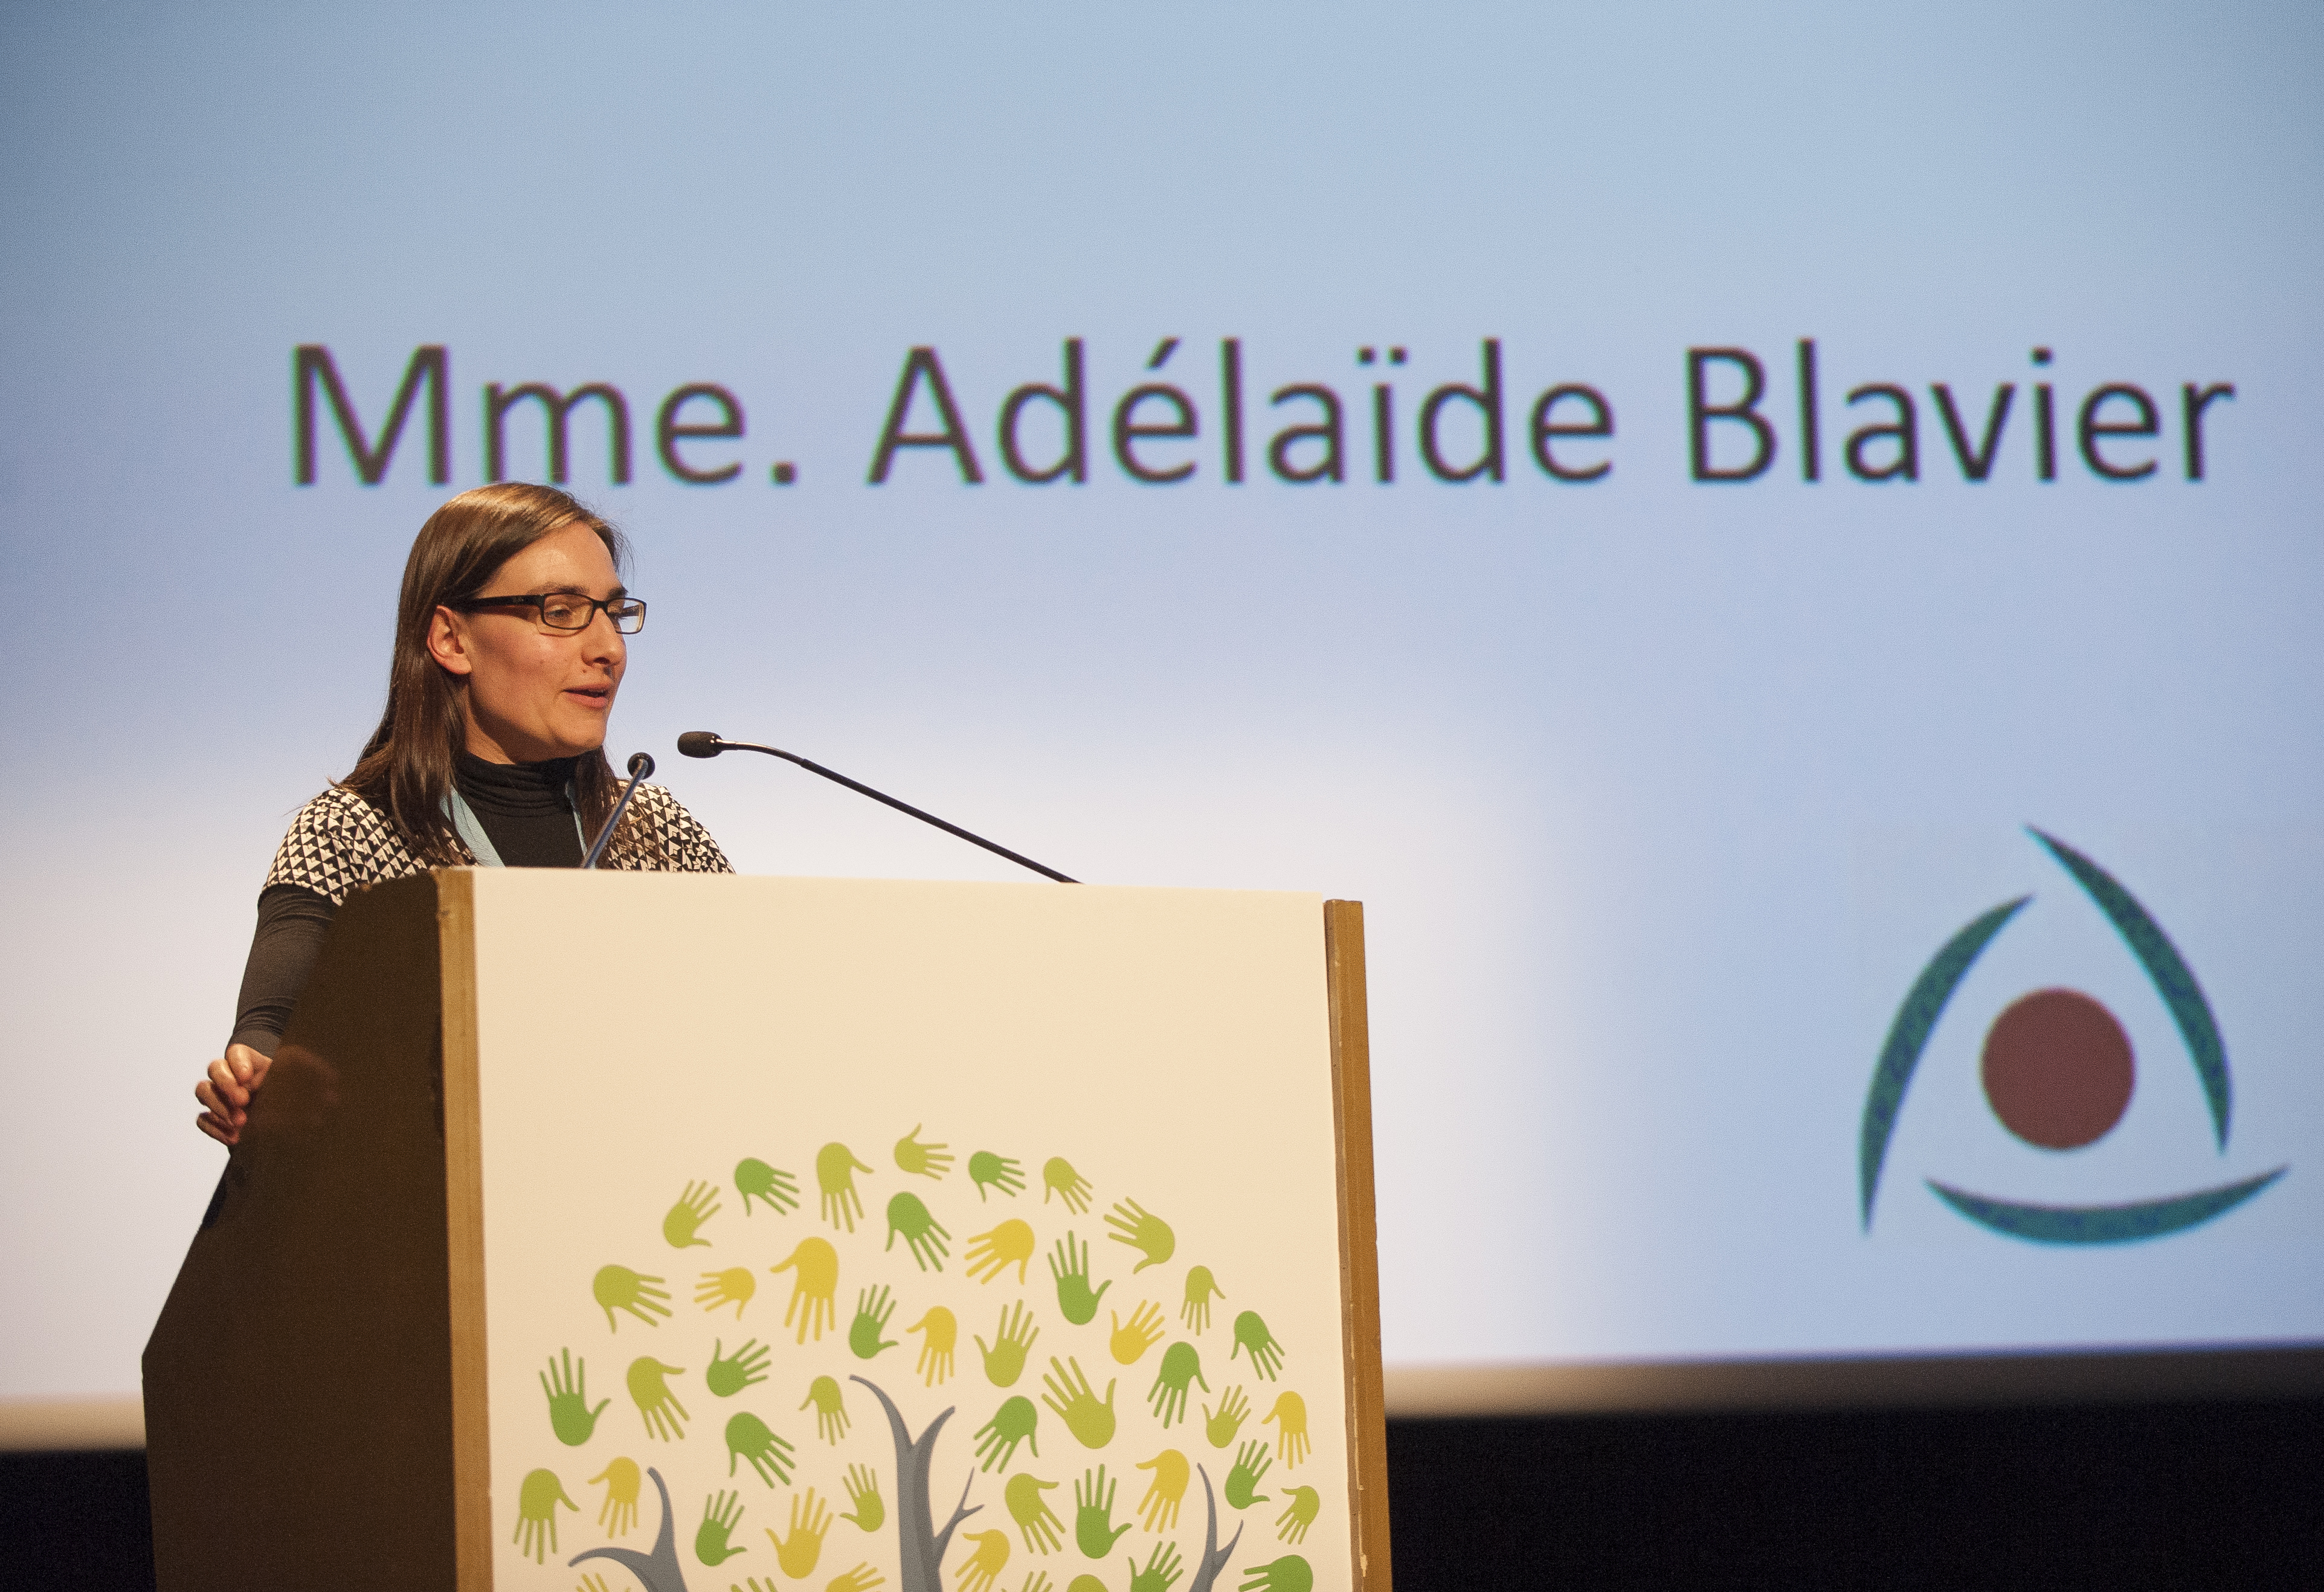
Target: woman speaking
(510, 647)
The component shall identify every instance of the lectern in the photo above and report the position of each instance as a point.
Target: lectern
(608, 1230)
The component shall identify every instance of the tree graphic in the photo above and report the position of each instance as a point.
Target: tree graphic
(1084, 1397)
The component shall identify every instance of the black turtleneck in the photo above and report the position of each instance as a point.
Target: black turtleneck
(523, 808)
(526, 814)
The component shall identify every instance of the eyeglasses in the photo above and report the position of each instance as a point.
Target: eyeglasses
(566, 610)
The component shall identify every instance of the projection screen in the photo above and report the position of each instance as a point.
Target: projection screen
(1766, 545)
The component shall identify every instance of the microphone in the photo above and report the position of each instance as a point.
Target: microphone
(706, 744)
(640, 765)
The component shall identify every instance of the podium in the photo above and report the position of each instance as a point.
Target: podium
(608, 1230)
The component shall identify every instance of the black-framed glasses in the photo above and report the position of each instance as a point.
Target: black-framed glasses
(566, 610)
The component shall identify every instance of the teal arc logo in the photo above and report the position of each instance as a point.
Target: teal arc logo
(2099, 1064)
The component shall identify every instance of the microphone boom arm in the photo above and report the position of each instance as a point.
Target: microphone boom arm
(712, 745)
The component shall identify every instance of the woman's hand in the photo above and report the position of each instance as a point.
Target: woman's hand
(225, 1093)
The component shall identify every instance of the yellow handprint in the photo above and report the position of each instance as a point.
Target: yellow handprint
(935, 1350)
(1160, 1507)
(1291, 1525)
(536, 1515)
(830, 1413)
(1233, 1407)
(981, 1568)
(988, 1254)
(797, 1553)
(734, 1286)
(696, 1206)
(1143, 1231)
(1004, 1362)
(654, 1399)
(1290, 1416)
(922, 1160)
(1201, 1289)
(594, 1584)
(861, 1578)
(836, 1167)
(870, 1512)
(1059, 1178)
(617, 1287)
(1031, 1511)
(1142, 1332)
(816, 1265)
(619, 1512)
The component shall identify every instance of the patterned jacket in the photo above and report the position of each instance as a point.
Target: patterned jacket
(340, 843)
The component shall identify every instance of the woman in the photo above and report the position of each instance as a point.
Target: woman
(509, 647)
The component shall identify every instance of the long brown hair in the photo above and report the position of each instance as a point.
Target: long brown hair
(406, 766)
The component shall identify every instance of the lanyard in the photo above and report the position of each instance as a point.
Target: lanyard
(471, 828)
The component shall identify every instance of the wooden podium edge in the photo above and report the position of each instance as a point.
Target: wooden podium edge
(1360, 1329)
(464, 1220)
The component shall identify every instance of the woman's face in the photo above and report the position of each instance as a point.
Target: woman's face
(533, 693)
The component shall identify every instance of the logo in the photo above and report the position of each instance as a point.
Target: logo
(2058, 1071)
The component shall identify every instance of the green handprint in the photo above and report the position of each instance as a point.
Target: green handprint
(655, 1401)
(1067, 1392)
(1222, 1427)
(981, 1568)
(1251, 1462)
(617, 1287)
(734, 1286)
(619, 1512)
(1035, 1581)
(873, 1306)
(1201, 1289)
(1143, 1231)
(750, 1437)
(815, 1280)
(1031, 1511)
(1180, 1366)
(1289, 1573)
(1011, 1423)
(1094, 1532)
(1265, 1353)
(988, 1170)
(597, 1584)
(1129, 1343)
(1004, 1362)
(536, 1499)
(1290, 1415)
(1069, 1265)
(1159, 1508)
(1086, 1583)
(922, 1234)
(988, 1254)
(696, 1206)
(755, 1180)
(867, 1509)
(863, 1577)
(727, 1377)
(830, 1413)
(721, 1512)
(1162, 1567)
(1059, 1178)
(922, 1160)
(943, 1329)
(836, 1167)
(797, 1553)
(569, 1414)
(1291, 1525)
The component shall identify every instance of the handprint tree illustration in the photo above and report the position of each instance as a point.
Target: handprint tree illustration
(1123, 1394)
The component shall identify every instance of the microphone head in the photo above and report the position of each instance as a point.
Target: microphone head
(700, 743)
(640, 765)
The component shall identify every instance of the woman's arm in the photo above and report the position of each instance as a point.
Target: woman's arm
(291, 924)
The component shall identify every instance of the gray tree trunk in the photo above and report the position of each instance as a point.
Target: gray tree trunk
(658, 1571)
(919, 1546)
(1214, 1558)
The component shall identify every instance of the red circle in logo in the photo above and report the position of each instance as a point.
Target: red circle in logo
(2057, 1069)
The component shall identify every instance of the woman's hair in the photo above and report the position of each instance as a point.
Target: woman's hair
(406, 766)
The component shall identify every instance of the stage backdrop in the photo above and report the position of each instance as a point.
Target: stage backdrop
(1774, 548)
